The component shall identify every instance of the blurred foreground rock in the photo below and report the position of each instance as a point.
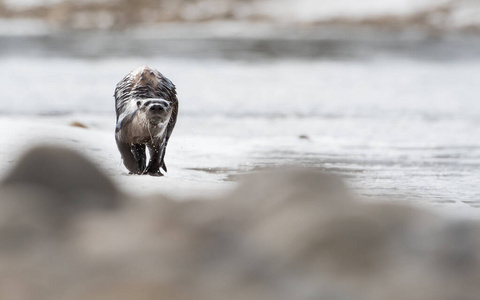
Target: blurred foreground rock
(67, 233)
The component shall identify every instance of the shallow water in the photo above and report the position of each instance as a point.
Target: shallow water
(395, 127)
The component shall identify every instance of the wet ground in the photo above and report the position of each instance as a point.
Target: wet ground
(398, 119)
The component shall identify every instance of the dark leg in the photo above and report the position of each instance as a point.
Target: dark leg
(156, 154)
(162, 161)
(138, 151)
(128, 159)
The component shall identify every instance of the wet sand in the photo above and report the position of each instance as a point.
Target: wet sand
(209, 160)
(397, 127)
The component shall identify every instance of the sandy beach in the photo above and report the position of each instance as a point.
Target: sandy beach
(189, 172)
(323, 150)
(434, 169)
(395, 128)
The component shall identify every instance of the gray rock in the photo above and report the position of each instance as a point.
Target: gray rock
(74, 179)
(283, 234)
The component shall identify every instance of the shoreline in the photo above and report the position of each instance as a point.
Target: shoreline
(250, 43)
(198, 166)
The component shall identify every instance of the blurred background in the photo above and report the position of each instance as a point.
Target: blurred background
(267, 28)
(440, 15)
(382, 92)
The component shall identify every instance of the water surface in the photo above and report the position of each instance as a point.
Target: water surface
(397, 124)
